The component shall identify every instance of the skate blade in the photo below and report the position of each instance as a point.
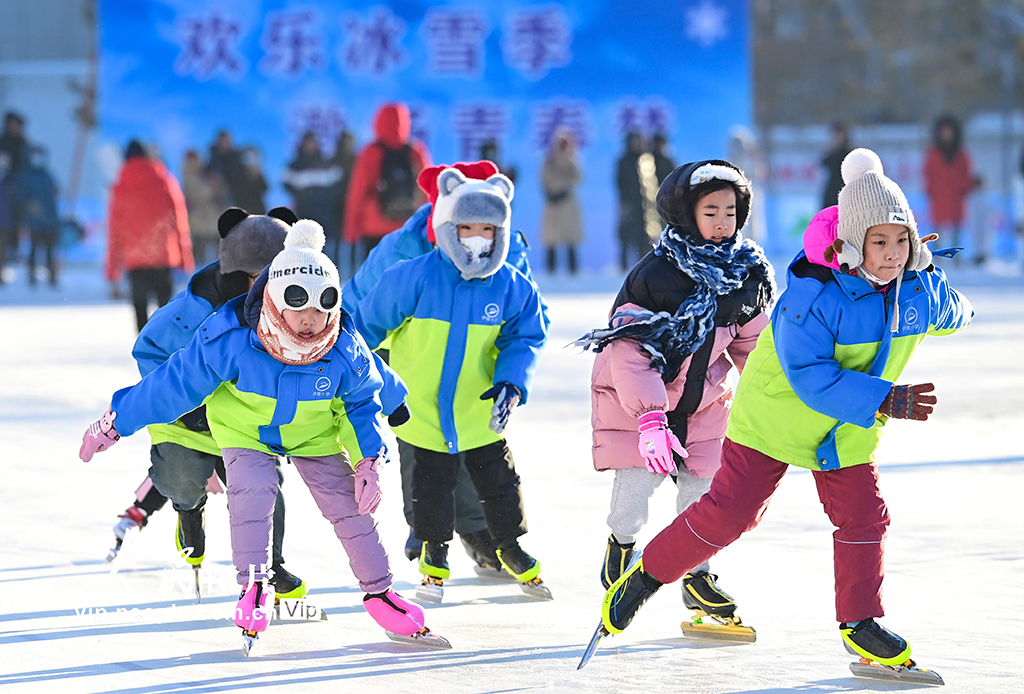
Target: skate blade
(719, 632)
(424, 638)
(250, 643)
(298, 610)
(899, 673)
(199, 594)
(599, 634)
(537, 589)
(430, 593)
(492, 574)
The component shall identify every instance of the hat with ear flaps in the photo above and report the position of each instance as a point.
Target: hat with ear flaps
(870, 198)
(250, 242)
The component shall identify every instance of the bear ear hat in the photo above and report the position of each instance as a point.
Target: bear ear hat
(230, 219)
(503, 184)
(284, 214)
(448, 181)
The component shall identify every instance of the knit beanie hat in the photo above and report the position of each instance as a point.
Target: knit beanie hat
(249, 242)
(301, 275)
(870, 198)
(427, 180)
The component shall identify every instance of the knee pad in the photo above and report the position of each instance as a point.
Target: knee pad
(394, 613)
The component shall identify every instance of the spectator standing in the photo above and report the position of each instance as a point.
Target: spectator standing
(148, 230)
(226, 162)
(632, 225)
(562, 224)
(743, 150)
(252, 185)
(838, 147)
(663, 163)
(36, 194)
(314, 182)
(948, 181)
(204, 198)
(344, 159)
(489, 152)
(13, 151)
(382, 192)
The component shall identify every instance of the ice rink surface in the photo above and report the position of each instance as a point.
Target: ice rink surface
(69, 623)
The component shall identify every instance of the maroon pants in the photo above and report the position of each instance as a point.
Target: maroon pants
(738, 498)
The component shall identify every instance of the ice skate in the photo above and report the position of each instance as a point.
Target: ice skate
(251, 615)
(402, 620)
(616, 559)
(625, 596)
(190, 539)
(526, 570)
(132, 518)
(480, 548)
(708, 601)
(883, 654)
(290, 597)
(434, 567)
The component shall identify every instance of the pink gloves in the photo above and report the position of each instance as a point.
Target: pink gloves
(100, 436)
(367, 485)
(657, 443)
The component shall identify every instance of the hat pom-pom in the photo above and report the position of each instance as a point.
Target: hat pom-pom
(305, 232)
(859, 162)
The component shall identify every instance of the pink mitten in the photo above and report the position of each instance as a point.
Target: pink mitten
(657, 443)
(100, 436)
(367, 485)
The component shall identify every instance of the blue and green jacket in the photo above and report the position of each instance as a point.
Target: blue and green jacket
(811, 389)
(255, 401)
(451, 340)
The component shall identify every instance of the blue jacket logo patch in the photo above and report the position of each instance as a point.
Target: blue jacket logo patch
(323, 383)
(491, 311)
(910, 316)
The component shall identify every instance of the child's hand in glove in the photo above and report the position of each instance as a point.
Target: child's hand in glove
(909, 402)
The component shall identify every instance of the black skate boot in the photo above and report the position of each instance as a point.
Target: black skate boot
(287, 585)
(412, 546)
(434, 567)
(616, 559)
(871, 640)
(702, 595)
(479, 546)
(525, 568)
(632, 589)
(190, 536)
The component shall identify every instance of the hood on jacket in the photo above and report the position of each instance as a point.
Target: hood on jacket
(680, 191)
(819, 235)
(393, 124)
(253, 304)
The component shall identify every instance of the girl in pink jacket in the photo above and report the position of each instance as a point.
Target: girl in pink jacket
(687, 313)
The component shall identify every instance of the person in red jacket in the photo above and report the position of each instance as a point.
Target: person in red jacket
(148, 230)
(382, 192)
(948, 180)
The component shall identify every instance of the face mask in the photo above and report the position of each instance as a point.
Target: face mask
(477, 247)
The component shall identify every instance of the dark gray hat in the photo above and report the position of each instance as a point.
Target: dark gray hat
(249, 242)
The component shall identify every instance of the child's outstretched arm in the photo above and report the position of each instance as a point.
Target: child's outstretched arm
(807, 354)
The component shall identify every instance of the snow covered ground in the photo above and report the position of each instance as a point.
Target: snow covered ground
(68, 623)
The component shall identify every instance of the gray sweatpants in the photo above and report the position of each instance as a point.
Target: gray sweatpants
(631, 492)
(252, 489)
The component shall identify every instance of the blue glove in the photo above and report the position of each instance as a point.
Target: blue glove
(506, 396)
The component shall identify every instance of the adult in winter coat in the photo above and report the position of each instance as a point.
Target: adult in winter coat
(465, 331)
(947, 179)
(688, 314)
(416, 238)
(628, 183)
(816, 393)
(282, 371)
(36, 193)
(314, 182)
(372, 208)
(562, 224)
(838, 147)
(204, 198)
(148, 233)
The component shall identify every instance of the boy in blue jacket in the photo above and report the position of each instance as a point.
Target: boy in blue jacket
(486, 319)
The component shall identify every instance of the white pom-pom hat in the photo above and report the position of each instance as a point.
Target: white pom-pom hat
(301, 275)
(870, 198)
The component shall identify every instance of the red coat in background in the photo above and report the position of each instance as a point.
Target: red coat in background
(947, 183)
(148, 222)
(363, 216)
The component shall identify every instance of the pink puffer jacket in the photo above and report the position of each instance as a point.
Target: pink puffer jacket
(624, 386)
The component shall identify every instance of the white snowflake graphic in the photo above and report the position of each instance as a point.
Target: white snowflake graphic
(706, 23)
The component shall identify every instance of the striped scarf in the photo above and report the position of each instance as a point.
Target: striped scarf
(717, 269)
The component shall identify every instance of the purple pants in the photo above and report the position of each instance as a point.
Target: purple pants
(738, 498)
(252, 490)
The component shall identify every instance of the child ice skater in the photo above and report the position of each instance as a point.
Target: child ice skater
(466, 329)
(816, 392)
(282, 372)
(687, 313)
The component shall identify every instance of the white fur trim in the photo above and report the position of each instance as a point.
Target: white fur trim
(859, 162)
(705, 173)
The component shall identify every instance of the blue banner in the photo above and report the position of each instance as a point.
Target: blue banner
(175, 72)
